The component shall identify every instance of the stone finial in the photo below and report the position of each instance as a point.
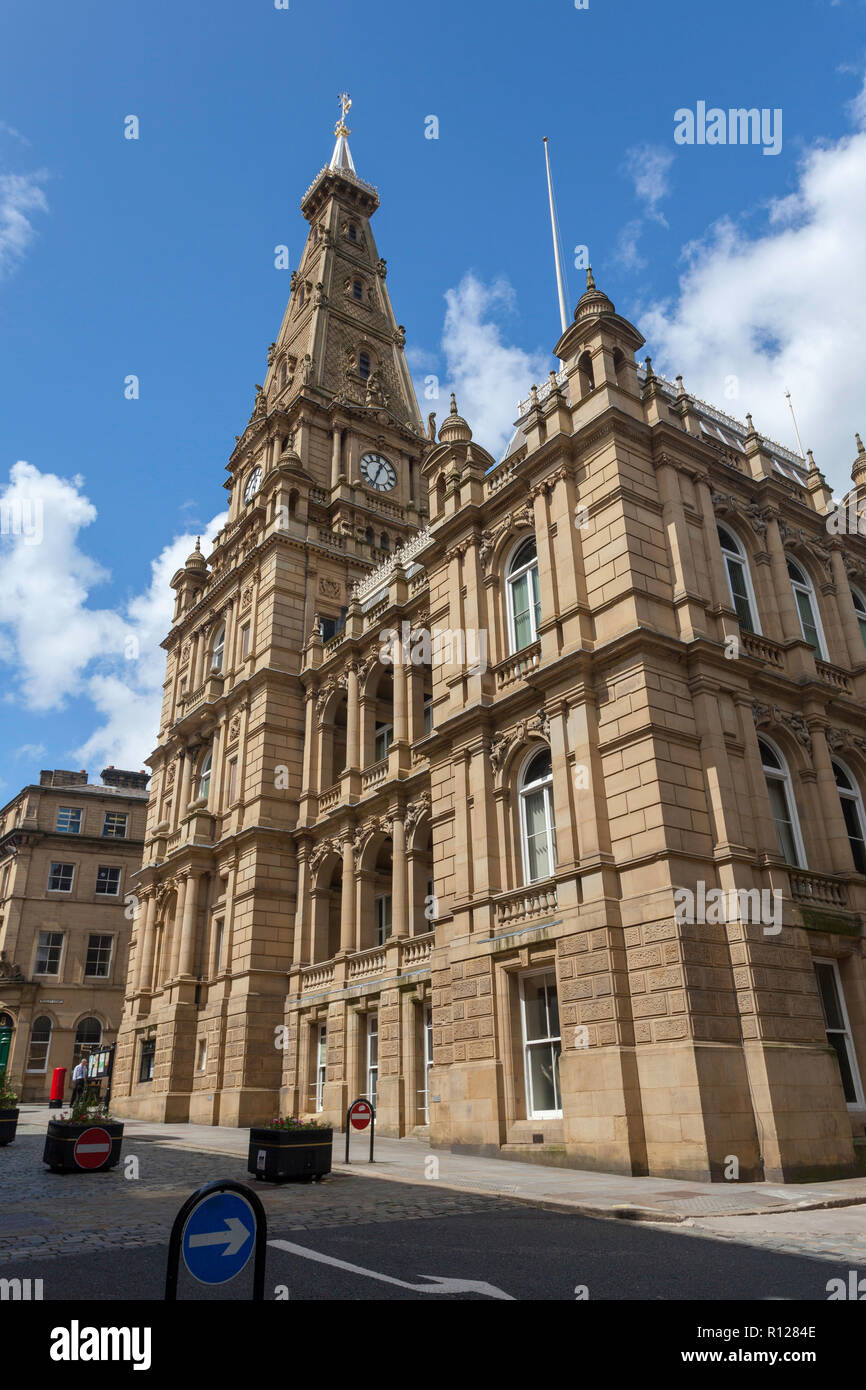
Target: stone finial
(650, 374)
(681, 390)
(750, 424)
(590, 278)
(858, 470)
(860, 449)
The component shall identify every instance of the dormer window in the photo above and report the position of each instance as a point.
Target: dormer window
(364, 365)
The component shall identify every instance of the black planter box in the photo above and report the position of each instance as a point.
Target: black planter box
(8, 1125)
(60, 1141)
(279, 1154)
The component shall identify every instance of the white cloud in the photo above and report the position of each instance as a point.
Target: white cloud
(58, 644)
(20, 195)
(30, 750)
(648, 167)
(488, 375)
(782, 307)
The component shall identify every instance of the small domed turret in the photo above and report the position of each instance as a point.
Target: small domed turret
(454, 427)
(593, 301)
(196, 560)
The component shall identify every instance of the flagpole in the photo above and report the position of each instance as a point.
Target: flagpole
(562, 310)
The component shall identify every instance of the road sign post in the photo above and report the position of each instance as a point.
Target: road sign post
(359, 1115)
(216, 1230)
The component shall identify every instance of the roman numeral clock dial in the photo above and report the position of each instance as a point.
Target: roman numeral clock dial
(378, 472)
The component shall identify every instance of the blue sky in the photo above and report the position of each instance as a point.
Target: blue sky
(155, 257)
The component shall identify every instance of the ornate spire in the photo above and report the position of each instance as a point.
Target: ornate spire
(858, 471)
(342, 156)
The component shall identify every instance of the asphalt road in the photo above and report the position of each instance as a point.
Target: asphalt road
(522, 1253)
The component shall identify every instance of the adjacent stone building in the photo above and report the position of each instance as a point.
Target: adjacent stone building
(523, 797)
(68, 850)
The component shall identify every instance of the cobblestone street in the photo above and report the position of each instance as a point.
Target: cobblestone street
(46, 1214)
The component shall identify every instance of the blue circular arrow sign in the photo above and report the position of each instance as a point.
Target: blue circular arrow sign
(218, 1238)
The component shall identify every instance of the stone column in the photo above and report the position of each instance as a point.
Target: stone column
(336, 456)
(399, 883)
(190, 923)
(309, 742)
(171, 963)
(302, 911)
(347, 897)
(144, 970)
(850, 625)
(838, 844)
(788, 615)
(353, 751)
(185, 781)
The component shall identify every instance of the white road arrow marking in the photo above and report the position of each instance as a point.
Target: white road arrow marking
(438, 1284)
(232, 1239)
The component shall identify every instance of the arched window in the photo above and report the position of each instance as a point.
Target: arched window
(783, 804)
(852, 812)
(586, 374)
(807, 609)
(6, 1021)
(537, 831)
(283, 373)
(739, 580)
(524, 606)
(860, 610)
(353, 232)
(364, 365)
(204, 775)
(40, 1043)
(218, 648)
(384, 541)
(368, 536)
(301, 296)
(88, 1035)
(357, 290)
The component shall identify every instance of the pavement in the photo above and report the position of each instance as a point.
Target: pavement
(574, 1189)
(469, 1212)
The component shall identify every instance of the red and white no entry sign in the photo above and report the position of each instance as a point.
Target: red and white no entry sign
(360, 1114)
(93, 1148)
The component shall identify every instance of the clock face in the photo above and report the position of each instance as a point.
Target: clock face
(252, 486)
(378, 472)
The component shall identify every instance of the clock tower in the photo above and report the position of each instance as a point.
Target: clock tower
(324, 485)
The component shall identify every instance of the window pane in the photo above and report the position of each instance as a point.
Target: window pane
(98, 957)
(807, 620)
(543, 1062)
(520, 612)
(535, 1010)
(839, 1042)
(737, 576)
(537, 841)
(829, 995)
(855, 832)
(782, 817)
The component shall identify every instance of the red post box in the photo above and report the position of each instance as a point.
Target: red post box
(58, 1082)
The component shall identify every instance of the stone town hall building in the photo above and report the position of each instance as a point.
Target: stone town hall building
(445, 871)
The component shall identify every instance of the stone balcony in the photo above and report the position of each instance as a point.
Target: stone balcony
(399, 955)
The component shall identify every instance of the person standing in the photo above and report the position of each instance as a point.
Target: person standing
(79, 1078)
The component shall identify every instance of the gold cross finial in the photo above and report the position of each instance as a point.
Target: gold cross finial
(345, 102)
